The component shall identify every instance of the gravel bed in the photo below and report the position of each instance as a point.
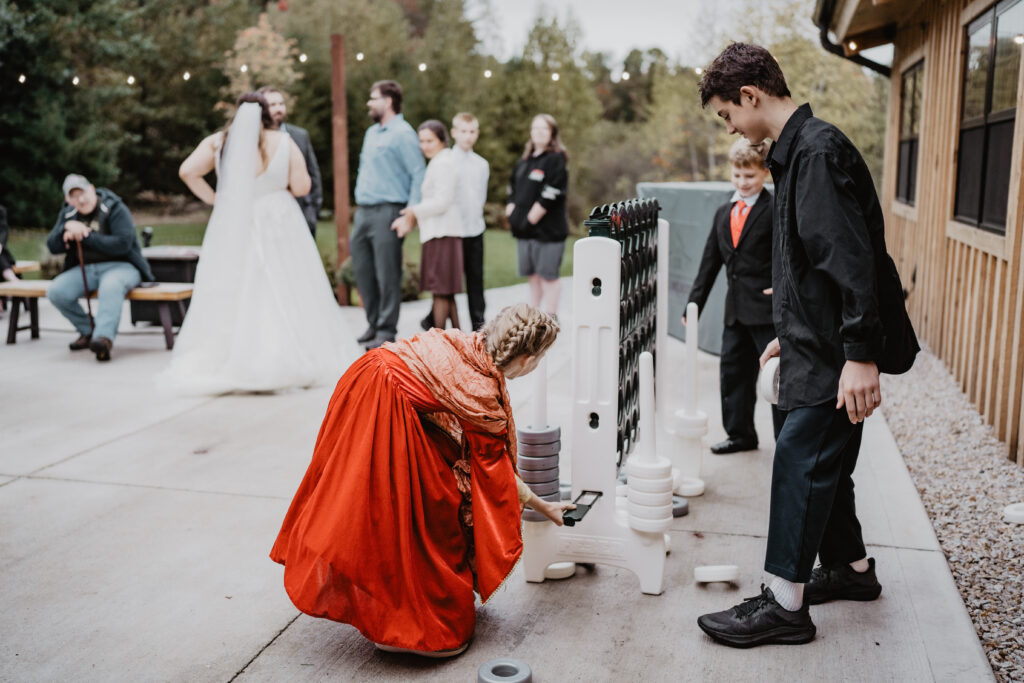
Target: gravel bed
(965, 480)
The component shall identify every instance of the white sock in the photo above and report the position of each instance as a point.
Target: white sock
(788, 594)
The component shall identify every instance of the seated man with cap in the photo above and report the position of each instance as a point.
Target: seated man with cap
(111, 259)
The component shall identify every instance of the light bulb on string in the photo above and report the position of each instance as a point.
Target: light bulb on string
(554, 76)
(186, 75)
(21, 78)
(423, 66)
(487, 73)
(698, 71)
(625, 75)
(303, 57)
(74, 81)
(360, 56)
(244, 68)
(131, 80)
(1019, 39)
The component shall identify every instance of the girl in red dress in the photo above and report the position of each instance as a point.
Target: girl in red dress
(411, 502)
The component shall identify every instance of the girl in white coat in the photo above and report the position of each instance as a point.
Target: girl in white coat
(440, 224)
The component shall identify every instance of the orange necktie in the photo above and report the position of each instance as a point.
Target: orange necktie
(737, 217)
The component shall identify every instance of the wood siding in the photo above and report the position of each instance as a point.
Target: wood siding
(966, 301)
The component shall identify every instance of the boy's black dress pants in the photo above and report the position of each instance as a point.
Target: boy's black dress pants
(812, 506)
(742, 346)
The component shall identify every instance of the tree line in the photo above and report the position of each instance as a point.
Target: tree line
(122, 90)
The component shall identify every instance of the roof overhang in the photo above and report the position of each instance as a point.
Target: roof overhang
(862, 24)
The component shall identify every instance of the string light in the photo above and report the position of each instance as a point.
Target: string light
(852, 45)
(21, 78)
(359, 56)
(554, 76)
(74, 81)
(186, 75)
(698, 71)
(131, 80)
(487, 73)
(1019, 39)
(303, 58)
(423, 66)
(244, 68)
(625, 75)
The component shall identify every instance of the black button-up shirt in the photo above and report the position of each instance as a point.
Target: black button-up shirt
(824, 301)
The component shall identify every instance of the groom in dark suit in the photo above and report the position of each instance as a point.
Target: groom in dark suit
(311, 203)
(741, 240)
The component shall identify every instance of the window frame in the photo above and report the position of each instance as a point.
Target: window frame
(985, 122)
(911, 141)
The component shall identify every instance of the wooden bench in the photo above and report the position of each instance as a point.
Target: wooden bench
(28, 293)
(25, 267)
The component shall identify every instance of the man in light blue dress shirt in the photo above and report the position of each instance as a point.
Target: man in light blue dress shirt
(390, 175)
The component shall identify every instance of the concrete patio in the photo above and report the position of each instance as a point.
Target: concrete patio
(134, 532)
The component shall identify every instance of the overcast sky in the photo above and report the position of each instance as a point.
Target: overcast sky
(612, 26)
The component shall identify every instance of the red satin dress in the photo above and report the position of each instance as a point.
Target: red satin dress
(374, 536)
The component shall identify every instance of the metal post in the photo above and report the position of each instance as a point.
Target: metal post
(339, 132)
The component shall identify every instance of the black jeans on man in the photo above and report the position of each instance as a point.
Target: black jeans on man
(473, 264)
(377, 265)
(742, 346)
(812, 507)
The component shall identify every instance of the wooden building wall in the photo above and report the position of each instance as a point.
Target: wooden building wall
(966, 302)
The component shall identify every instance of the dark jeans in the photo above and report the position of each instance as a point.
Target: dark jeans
(812, 508)
(473, 264)
(377, 265)
(742, 346)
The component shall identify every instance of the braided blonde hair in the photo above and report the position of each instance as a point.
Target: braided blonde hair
(519, 330)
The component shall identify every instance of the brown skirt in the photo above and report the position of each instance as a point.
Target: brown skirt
(441, 266)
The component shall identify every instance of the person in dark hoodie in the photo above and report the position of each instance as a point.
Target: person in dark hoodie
(114, 264)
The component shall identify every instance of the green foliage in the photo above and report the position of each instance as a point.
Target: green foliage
(618, 131)
(125, 136)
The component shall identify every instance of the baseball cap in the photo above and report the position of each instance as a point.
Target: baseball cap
(75, 181)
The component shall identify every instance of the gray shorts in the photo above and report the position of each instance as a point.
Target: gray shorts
(540, 258)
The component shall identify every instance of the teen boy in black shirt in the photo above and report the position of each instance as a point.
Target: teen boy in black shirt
(825, 310)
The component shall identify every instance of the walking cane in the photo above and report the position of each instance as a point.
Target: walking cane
(85, 286)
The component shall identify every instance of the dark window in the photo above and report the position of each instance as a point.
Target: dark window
(910, 131)
(988, 109)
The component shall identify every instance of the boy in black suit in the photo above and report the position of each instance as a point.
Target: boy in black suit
(741, 239)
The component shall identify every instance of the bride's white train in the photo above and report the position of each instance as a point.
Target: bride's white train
(263, 317)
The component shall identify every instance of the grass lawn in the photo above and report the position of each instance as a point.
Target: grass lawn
(499, 248)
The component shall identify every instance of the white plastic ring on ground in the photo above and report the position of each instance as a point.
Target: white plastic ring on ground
(644, 498)
(654, 526)
(659, 468)
(690, 425)
(1014, 513)
(560, 570)
(768, 381)
(690, 487)
(716, 572)
(504, 670)
(649, 511)
(645, 485)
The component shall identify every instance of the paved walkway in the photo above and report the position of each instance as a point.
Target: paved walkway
(134, 532)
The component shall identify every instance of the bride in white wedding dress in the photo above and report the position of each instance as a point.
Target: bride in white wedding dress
(262, 316)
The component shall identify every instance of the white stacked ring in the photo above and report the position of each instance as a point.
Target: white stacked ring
(646, 485)
(657, 469)
(653, 499)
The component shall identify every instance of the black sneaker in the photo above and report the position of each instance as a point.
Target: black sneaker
(101, 347)
(758, 621)
(841, 582)
(81, 343)
(367, 336)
